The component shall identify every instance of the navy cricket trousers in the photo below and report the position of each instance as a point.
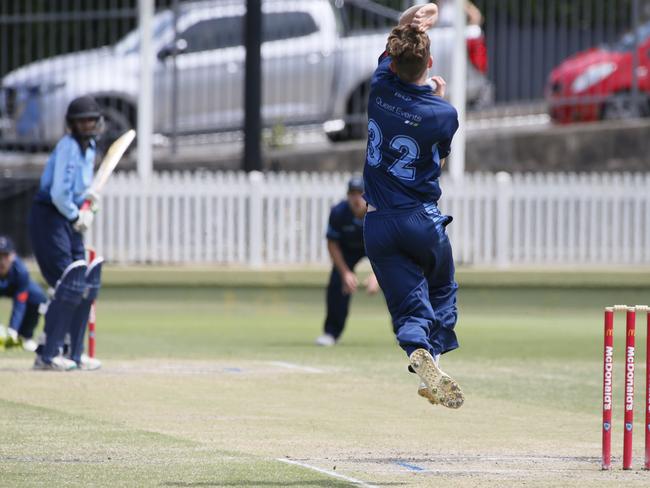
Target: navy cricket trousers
(338, 304)
(55, 242)
(412, 258)
(32, 311)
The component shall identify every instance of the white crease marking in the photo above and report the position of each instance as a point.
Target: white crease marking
(329, 473)
(298, 367)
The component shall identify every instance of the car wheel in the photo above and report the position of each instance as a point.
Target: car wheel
(622, 106)
(485, 98)
(116, 123)
(356, 124)
(338, 136)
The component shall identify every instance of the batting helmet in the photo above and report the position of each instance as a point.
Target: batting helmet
(83, 108)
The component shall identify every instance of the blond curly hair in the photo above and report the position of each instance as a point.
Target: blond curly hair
(410, 49)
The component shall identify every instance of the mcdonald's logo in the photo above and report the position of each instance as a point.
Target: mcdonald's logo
(609, 332)
(630, 332)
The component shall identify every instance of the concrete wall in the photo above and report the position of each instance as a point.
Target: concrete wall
(581, 147)
(620, 146)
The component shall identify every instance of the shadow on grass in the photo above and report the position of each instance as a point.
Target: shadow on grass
(312, 345)
(248, 483)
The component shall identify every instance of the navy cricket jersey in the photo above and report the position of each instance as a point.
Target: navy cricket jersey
(16, 286)
(346, 229)
(409, 131)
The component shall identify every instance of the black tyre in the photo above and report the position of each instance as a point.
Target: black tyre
(356, 123)
(119, 117)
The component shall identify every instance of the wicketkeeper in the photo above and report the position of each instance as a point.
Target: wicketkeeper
(28, 299)
(56, 227)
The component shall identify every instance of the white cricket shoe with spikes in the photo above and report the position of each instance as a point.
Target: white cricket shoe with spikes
(436, 386)
(424, 392)
(89, 364)
(29, 345)
(326, 340)
(58, 363)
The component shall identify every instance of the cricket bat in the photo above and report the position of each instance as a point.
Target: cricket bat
(109, 163)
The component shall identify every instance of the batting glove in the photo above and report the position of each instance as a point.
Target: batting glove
(94, 199)
(84, 220)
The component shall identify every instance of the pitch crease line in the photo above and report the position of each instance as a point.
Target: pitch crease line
(284, 364)
(329, 473)
(410, 467)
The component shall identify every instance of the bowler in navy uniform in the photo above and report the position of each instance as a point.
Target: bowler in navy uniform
(410, 131)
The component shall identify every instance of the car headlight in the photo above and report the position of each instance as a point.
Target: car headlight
(594, 74)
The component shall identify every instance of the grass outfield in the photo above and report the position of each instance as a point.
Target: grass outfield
(314, 277)
(214, 386)
(174, 277)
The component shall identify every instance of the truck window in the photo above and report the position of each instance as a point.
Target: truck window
(224, 32)
(211, 34)
(286, 25)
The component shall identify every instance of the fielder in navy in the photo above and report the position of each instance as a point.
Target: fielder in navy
(27, 297)
(410, 130)
(56, 227)
(346, 248)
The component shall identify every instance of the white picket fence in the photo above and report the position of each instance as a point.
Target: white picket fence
(499, 219)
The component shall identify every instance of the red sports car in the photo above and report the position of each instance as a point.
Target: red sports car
(598, 84)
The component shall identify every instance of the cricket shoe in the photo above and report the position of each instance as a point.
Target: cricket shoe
(89, 364)
(58, 363)
(439, 385)
(326, 340)
(29, 345)
(424, 392)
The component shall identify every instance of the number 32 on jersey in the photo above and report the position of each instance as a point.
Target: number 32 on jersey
(406, 146)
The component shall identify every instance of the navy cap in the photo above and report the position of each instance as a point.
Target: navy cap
(6, 246)
(356, 184)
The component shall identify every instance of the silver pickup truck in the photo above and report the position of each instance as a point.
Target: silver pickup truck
(314, 72)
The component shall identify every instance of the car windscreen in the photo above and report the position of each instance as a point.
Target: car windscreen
(286, 25)
(629, 40)
(131, 42)
(225, 32)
